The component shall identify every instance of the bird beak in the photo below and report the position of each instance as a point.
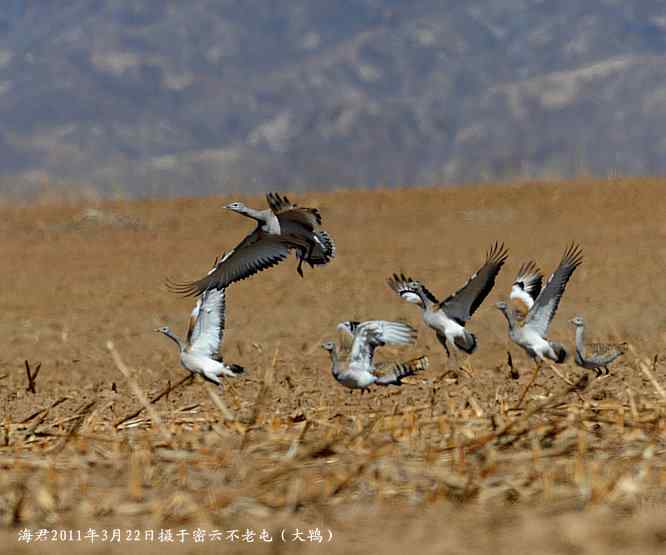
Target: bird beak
(156, 329)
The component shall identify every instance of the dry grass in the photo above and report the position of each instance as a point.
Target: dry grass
(443, 464)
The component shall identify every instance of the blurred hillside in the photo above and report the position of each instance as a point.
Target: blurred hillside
(157, 97)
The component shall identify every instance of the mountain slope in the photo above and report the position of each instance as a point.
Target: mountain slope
(189, 98)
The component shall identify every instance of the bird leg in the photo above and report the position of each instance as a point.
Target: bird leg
(442, 339)
(532, 380)
(311, 247)
(512, 371)
(305, 256)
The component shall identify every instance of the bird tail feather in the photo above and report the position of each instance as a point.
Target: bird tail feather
(466, 342)
(402, 370)
(236, 369)
(323, 251)
(560, 352)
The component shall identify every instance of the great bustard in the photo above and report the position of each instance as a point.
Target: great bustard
(200, 352)
(594, 356)
(531, 333)
(448, 317)
(282, 227)
(360, 371)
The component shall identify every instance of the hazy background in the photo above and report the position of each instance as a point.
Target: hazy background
(181, 98)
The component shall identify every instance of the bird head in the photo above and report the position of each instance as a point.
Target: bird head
(328, 346)
(502, 306)
(236, 207)
(577, 321)
(163, 329)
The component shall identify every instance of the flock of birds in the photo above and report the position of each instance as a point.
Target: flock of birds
(285, 227)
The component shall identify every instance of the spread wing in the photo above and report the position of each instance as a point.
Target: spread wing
(463, 303)
(283, 208)
(207, 323)
(375, 333)
(545, 305)
(257, 252)
(526, 288)
(401, 285)
(529, 279)
(347, 329)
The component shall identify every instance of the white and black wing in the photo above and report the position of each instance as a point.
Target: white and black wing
(347, 329)
(529, 279)
(375, 333)
(257, 252)
(350, 327)
(463, 303)
(545, 305)
(526, 287)
(403, 286)
(207, 323)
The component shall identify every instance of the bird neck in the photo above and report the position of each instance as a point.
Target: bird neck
(257, 215)
(580, 339)
(333, 354)
(175, 339)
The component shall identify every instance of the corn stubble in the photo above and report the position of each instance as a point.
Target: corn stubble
(112, 435)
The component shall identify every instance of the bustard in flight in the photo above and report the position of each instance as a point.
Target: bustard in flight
(595, 356)
(530, 334)
(448, 317)
(200, 352)
(282, 227)
(360, 371)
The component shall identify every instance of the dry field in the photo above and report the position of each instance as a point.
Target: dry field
(444, 464)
